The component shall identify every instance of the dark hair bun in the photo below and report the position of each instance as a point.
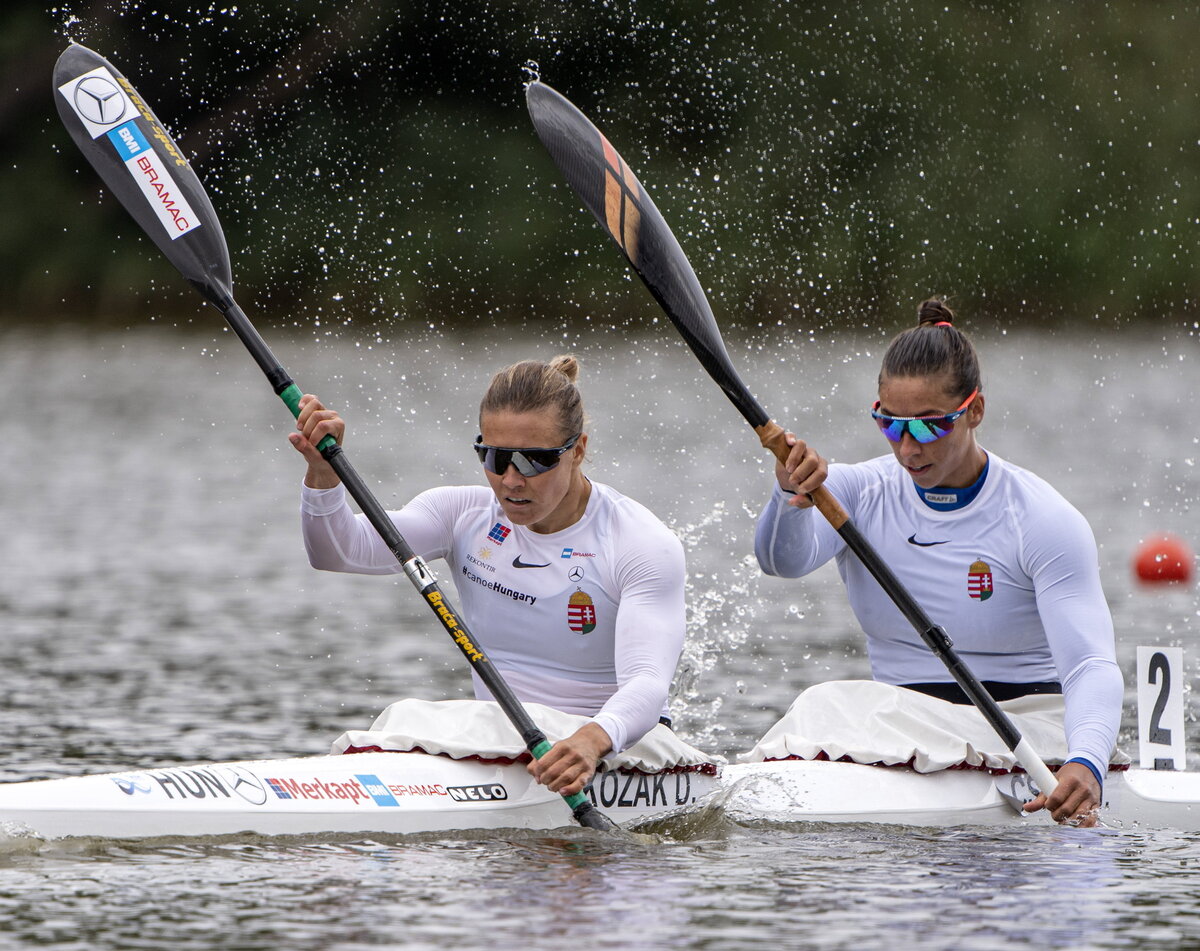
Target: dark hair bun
(932, 312)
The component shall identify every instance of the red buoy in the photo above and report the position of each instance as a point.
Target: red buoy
(1163, 558)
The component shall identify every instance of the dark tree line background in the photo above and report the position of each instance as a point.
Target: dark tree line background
(822, 163)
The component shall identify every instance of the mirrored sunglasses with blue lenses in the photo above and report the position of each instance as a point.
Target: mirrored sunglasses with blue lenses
(923, 429)
(529, 462)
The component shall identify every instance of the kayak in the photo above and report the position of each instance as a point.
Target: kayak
(822, 791)
(863, 751)
(430, 767)
(424, 766)
(407, 793)
(378, 793)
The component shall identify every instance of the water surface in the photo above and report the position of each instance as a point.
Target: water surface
(157, 607)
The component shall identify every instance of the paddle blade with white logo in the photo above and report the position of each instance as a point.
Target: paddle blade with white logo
(141, 164)
(114, 127)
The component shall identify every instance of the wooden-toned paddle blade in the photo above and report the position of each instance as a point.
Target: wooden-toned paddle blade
(143, 167)
(611, 191)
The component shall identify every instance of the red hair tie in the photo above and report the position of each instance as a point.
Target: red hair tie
(943, 323)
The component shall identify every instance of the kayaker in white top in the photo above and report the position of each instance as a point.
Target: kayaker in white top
(574, 591)
(991, 552)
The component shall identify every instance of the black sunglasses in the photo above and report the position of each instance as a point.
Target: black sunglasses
(529, 462)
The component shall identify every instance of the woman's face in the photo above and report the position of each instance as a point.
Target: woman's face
(548, 502)
(955, 460)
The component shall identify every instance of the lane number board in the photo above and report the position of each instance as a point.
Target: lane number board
(1160, 707)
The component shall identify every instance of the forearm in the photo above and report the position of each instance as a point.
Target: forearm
(1093, 695)
(650, 627)
(785, 540)
(634, 710)
(338, 540)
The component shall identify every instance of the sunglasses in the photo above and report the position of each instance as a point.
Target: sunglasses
(529, 462)
(922, 428)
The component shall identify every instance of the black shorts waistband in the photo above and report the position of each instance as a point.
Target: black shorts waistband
(1000, 691)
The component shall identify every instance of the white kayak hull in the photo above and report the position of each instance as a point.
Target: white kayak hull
(410, 793)
(382, 793)
(821, 791)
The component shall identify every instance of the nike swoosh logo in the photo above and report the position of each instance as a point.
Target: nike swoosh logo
(517, 563)
(912, 540)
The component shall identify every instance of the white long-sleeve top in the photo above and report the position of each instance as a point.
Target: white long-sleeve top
(1013, 577)
(589, 620)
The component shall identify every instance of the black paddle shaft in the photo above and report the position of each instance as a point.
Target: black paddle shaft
(414, 566)
(140, 163)
(420, 575)
(934, 636)
(612, 192)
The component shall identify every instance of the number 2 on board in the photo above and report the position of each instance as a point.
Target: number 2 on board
(1160, 707)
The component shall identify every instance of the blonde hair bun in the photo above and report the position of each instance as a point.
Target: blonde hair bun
(567, 365)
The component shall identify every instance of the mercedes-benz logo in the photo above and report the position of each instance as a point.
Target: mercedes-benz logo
(99, 101)
(575, 573)
(246, 785)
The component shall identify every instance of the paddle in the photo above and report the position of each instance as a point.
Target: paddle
(142, 166)
(611, 192)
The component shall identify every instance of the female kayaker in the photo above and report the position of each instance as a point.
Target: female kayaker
(991, 552)
(575, 591)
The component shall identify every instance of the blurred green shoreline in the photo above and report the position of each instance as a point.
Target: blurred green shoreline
(823, 165)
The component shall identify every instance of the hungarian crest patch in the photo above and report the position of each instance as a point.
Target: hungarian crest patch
(581, 613)
(979, 580)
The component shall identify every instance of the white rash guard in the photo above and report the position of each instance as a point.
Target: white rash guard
(1013, 577)
(589, 620)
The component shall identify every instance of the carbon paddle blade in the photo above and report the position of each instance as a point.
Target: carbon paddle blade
(143, 167)
(612, 193)
(590, 817)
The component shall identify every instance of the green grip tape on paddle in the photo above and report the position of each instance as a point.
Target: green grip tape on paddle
(540, 749)
(575, 800)
(291, 396)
